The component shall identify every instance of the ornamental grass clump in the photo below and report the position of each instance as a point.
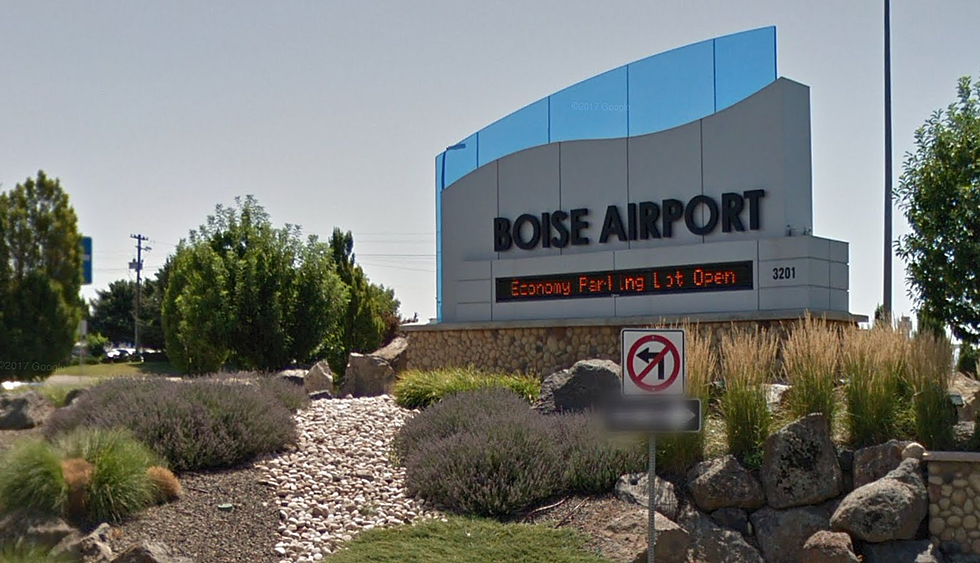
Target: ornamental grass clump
(810, 361)
(86, 476)
(676, 453)
(748, 359)
(930, 371)
(194, 424)
(874, 364)
(417, 389)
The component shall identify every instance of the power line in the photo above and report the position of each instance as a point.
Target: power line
(138, 266)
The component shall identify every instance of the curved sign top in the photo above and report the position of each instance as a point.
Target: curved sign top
(649, 95)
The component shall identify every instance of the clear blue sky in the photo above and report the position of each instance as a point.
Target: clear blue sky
(331, 113)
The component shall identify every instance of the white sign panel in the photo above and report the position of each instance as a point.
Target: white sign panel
(653, 362)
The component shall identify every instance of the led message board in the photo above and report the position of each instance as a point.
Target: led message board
(722, 276)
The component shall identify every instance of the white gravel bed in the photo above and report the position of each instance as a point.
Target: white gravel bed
(340, 481)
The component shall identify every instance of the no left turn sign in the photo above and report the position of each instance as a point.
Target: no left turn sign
(653, 362)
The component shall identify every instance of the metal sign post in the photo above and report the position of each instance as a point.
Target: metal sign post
(653, 400)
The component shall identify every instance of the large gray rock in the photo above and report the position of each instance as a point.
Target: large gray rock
(634, 488)
(874, 462)
(585, 385)
(672, 542)
(969, 389)
(920, 551)
(319, 378)
(34, 529)
(149, 553)
(724, 483)
(829, 547)
(395, 353)
(783, 533)
(800, 466)
(891, 508)
(93, 548)
(367, 376)
(710, 543)
(23, 410)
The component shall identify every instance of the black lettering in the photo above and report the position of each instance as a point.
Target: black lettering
(612, 225)
(546, 230)
(673, 210)
(501, 234)
(754, 216)
(535, 231)
(731, 208)
(578, 225)
(649, 214)
(631, 220)
(557, 218)
(692, 207)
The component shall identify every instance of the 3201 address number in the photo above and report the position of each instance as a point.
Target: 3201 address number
(788, 273)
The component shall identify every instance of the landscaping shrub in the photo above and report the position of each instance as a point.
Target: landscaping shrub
(810, 356)
(487, 453)
(192, 424)
(748, 360)
(469, 540)
(290, 395)
(87, 476)
(930, 370)
(459, 413)
(25, 553)
(31, 478)
(676, 453)
(874, 363)
(117, 483)
(416, 389)
(593, 459)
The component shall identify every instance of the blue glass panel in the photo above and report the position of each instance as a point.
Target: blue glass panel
(525, 128)
(592, 109)
(671, 88)
(461, 160)
(744, 64)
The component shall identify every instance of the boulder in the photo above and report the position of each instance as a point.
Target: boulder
(672, 542)
(294, 376)
(319, 378)
(367, 376)
(710, 543)
(969, 389)
(93, 548)
(24, 410)
(920, 551)
(35, 529)
(915, 450)
(783, 533)
(724, 483)
(395, 353)
(829, 547)
(891, 508)
(149, 553)
(74, 395)
(800, 465)
(874, 462)
(583, 386)
(775, 395)
(733, 519)
(634, 488)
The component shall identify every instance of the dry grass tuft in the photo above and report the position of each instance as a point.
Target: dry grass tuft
(78, 476)
(748, 360)
(164, 483)
(875, 365)
(930, 368)
(810, 358)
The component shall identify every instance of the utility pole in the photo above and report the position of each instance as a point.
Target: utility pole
(138, 266)
(887, 301)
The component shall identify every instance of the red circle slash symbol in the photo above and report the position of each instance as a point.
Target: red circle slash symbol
(638, 377)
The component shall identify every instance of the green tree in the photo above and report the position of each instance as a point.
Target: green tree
(939, 192)
(41, 277)
(113, 311)
(243, 291)
(367, 320)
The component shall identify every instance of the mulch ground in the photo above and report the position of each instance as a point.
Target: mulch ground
(195, 527)
(591, 517)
